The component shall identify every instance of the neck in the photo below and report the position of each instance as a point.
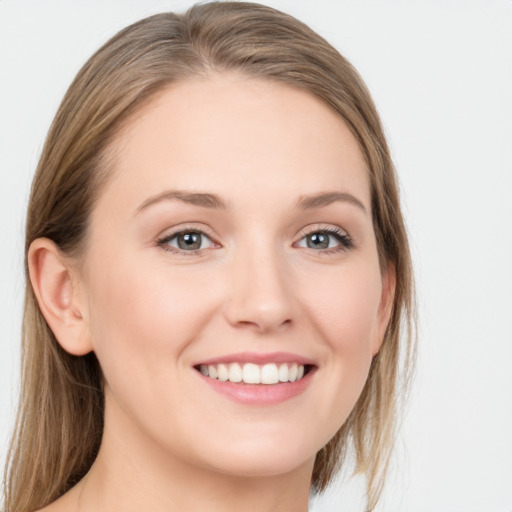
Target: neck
(132, 474)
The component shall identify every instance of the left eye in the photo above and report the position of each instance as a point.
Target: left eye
(188, 241)
(323, 240)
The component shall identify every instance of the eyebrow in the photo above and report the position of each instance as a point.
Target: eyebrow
(205, 200)
(327, 198)
(213, 201)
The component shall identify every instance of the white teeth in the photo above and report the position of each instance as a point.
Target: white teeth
(292, 375)
(222, 372)
(235, 372)
(212, 371)
(283, 373)
(251, 373)
(269, 374)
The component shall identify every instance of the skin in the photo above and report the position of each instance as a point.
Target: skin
(151, 312)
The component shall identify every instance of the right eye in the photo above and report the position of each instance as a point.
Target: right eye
(188, 241)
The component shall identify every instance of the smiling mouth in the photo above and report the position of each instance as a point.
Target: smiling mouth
(251, 373)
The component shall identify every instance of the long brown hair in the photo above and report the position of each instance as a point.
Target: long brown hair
(60, 418)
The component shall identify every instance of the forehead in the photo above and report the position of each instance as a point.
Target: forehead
(234, 135)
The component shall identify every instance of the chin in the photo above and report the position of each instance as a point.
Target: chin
(261, 455)
(261, 466)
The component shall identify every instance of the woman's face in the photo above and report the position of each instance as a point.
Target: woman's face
(234, 239)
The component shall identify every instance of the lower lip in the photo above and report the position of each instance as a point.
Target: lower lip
(259, 394)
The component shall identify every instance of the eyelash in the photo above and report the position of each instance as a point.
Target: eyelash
(164, 241)
(341, 236)
(345, 241)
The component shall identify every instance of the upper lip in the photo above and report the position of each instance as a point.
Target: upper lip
(258, 358)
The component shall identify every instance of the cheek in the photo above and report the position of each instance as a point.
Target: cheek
(346, 305)
(139, 318)
(345, 308)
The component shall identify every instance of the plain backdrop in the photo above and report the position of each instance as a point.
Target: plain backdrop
(441, 75)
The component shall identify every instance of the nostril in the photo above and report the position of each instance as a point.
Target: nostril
(264, 324)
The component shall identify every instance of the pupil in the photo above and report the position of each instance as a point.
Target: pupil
(318, 241)
(189, 241)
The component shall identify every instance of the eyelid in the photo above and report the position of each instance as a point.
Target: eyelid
(313, 228)
(345, 240)
(169, 234)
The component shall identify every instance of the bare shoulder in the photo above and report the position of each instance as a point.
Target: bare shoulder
(66, 503)
(58, 506)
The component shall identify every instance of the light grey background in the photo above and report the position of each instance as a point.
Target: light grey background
(440, 72)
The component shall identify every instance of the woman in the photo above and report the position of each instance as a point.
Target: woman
(217, 274)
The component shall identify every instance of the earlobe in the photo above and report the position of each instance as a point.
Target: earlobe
(386, 305)
(54, 284)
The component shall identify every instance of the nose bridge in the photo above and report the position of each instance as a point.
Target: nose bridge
(260, 291)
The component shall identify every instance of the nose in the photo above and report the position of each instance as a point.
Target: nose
(260, 292)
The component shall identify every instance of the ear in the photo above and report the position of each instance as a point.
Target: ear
(56, 286)
(387, 300)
